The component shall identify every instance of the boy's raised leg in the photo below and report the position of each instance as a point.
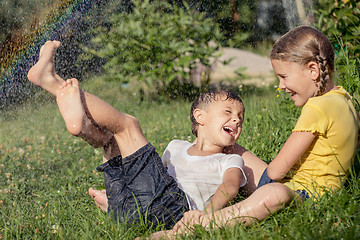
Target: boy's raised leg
(43, 72)
(124, 128)
(70, 106)
(86, 115)
(43, 75)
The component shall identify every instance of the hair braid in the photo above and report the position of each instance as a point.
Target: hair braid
(324, 74)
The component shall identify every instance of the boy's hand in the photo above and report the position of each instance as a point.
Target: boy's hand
(227, 190)
(189, 219)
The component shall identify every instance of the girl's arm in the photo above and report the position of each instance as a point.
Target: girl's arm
(292, 150)
(227, 191)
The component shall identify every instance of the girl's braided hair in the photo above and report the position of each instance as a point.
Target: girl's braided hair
(202, 101)
(304, 44)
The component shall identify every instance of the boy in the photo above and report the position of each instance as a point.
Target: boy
(199, 175)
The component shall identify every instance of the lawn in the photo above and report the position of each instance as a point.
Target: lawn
(45, 172)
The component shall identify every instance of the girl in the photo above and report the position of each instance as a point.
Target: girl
(321, 147)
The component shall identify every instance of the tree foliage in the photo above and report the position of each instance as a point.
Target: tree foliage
(20, 16)
(340, 21)
(156, 46)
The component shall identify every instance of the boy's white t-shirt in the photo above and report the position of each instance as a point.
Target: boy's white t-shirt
(198, 176)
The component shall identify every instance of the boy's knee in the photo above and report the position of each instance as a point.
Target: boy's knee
(132, 122)
(129, 127)
(129, 136)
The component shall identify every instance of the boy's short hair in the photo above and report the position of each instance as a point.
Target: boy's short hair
(210, 96)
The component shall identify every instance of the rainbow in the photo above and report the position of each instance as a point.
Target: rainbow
(20, 54)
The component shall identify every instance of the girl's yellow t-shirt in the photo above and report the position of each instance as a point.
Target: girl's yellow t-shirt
(324, 165)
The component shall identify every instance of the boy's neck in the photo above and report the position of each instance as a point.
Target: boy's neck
(202, 148)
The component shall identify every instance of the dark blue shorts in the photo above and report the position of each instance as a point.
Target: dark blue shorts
(138, 187)
(265, 180)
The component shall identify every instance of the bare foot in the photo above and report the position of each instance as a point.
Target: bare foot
(166, 234)
(70, 105)
(43, 72)
(99, 198)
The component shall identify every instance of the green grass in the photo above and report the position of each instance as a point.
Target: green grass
(45, 172)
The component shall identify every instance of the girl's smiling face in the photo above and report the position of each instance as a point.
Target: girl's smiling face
(300, 81)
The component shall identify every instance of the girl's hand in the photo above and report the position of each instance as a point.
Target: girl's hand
(189, 219)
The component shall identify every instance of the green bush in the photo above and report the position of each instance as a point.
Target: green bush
(340, 21)
(155, 47)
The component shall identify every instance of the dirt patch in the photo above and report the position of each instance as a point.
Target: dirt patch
(245, 67)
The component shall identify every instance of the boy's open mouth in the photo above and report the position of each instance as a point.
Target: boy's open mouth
(231, 131)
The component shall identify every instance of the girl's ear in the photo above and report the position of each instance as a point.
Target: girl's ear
(314, 71)
(199, 116)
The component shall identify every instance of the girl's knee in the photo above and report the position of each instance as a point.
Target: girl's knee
(277, 196)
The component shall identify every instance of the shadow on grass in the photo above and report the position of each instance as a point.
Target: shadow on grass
(352, 183)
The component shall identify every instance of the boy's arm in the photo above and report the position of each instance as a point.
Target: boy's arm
(254, 167)
(227, 191)
(292, 150)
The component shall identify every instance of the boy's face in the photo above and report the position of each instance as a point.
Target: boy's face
(223, 121)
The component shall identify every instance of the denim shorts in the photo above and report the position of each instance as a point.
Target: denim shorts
(139, 189)
(265, 180)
